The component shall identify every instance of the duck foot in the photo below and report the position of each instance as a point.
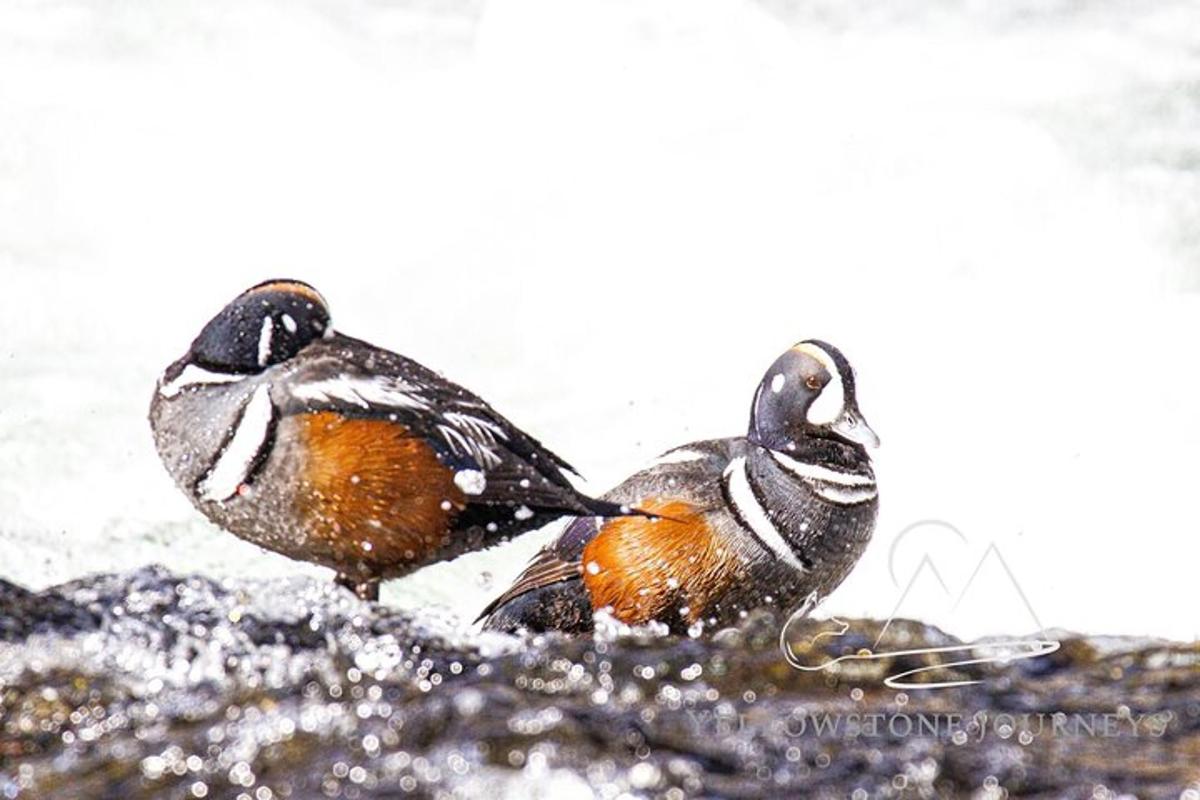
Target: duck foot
(365, 589)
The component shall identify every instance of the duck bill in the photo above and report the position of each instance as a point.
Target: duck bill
(851, 426)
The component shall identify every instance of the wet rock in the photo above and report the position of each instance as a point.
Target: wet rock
(22, 613)
(155, 685)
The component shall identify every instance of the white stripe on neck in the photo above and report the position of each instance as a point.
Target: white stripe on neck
(802, 469)
(234, 462)
(737, 482)
(193, 375)
(845, 497)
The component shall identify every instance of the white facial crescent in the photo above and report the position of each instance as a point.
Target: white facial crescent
(829, 404)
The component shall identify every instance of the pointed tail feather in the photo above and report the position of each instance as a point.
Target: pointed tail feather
(605, 508)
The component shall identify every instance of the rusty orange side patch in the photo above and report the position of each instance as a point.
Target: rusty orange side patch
(375, 494)
(648, 569)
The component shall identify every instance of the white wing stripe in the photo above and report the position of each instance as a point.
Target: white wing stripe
(458, 443)
(463, 445)
(364, 392)
(465, 434)
(474, 426)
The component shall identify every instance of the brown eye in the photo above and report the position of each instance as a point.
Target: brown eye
(812, 382)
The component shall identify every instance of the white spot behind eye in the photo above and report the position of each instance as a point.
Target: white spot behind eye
(289, 323)
(264, 341)
(777, 383)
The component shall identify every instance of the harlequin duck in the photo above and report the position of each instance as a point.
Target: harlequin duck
(768, 518)
(328, 449)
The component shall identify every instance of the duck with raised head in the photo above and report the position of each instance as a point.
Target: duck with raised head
(765, 519)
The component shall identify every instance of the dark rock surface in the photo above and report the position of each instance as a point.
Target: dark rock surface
(154, 685)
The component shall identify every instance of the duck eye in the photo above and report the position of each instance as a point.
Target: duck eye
(812, 382)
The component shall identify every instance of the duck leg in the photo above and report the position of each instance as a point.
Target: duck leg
(366, 589)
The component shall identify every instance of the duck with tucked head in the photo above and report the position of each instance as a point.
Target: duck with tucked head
(328, 449)
(768, 518)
